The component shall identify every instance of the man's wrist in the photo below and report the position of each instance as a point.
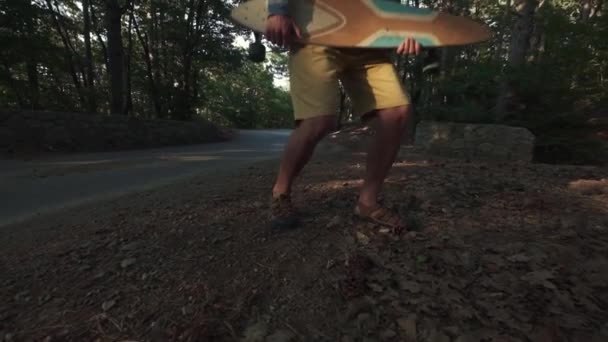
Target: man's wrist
(278, 15)
(278, 7)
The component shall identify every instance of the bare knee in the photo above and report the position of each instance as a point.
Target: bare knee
(317, 128)
(396, 117)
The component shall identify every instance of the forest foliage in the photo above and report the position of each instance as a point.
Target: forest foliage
(545, 68)
(148, 58)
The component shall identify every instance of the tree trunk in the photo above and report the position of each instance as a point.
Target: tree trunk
(185, 105)
(144, 41)
(501, 33)
(522, 32)
(162, 54)
(89, 57)
(519, 48)
(153, 46)
(589, 9)
(68, 54)
(32, 78)
(31, 63)
(128, 105)
(115, 55)
(8, 75)
(77, 58)
(342, 108)
(597, 9)
(162, 41)
(100, 40)
(447, 60)
(585, 10)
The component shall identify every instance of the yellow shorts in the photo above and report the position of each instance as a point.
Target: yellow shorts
(368, 76)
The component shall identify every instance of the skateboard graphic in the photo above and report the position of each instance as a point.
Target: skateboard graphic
(367, 23)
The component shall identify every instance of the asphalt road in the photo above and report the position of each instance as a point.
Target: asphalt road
(36, 187)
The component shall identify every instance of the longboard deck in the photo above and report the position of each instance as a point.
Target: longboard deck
(367, 23)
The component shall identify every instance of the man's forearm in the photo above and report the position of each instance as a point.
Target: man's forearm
(277, 7)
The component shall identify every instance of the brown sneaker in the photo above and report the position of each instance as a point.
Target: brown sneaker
(283, 213)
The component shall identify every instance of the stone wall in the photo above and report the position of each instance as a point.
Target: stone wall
(475, 141)
(79, 132)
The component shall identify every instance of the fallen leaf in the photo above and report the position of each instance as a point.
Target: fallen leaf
(355, 307)
(411, 235)
(484, 335)
(452, 331)
(408, 326)
(335, 222)
(107, 305)
(281, 336)
(256, 332)
(492, 268)
(127, 262)
(221, 238)
(545, 334)
(573, 321)
(366, 322)
(347, 338)
(387, 334)
(436, 336)
(130, 247)
(410, 286)
(362, 238)
(464, 313)
(519, 258)
(540, 278)
(421, 258)
(376, 287)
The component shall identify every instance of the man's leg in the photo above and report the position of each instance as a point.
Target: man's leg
(390, 125)
(314, 88)
(299, 150)
(376, 90)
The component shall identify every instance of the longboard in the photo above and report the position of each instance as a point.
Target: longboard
(367, 23)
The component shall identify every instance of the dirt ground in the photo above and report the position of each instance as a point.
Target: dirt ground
(496, 252)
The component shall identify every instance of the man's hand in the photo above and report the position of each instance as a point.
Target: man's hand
(409, 47)
(282, 30)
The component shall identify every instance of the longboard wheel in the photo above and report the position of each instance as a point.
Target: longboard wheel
(257, 52)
